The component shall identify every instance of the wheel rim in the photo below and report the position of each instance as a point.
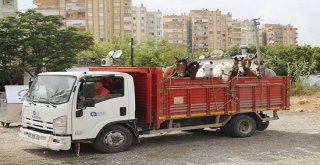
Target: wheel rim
(245, 127)
(114, 139)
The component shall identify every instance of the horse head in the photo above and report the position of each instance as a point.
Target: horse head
(247, 61)
(181, 65)
(226, 70)
(264, 71)
(192, 69)
(246, 65)
(235, 68)
(208, 69)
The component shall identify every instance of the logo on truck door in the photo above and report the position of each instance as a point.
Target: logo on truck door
(95, 114)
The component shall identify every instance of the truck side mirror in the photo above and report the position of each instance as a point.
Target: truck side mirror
(88, 90)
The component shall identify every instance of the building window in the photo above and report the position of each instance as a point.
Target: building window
(81, 14)
(8, 2)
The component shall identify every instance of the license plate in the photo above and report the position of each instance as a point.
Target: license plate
(33, 136)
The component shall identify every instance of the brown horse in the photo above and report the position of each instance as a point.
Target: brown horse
(246, 65)
(235, 68)
(178, 69)
(192, 70)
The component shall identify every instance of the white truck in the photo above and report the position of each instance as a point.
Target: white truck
(143, 102)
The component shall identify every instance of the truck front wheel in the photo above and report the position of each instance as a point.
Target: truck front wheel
(113, 139)
(242, 126)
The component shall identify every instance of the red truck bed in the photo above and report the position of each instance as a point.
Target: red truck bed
(159, 99)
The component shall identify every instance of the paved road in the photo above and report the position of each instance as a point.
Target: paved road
(294, 139)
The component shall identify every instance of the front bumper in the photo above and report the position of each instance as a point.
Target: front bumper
(46, 140)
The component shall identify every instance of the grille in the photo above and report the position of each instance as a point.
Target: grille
(38, 124)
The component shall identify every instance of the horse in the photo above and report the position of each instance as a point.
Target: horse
(192, 70)
(178, 69)
(223, 70)
(264, 71)
(206, 70)
(235, 68)
(246, 65)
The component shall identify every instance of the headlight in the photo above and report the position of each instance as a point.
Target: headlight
(60, 125)
(60, 121)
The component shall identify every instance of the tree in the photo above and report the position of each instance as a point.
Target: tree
(10, 44)
(41, 43)
(150, 53)
(234, 50)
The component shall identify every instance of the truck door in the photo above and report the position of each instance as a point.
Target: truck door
(111, 105)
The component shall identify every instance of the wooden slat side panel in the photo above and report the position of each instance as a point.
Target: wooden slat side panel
(178, 103)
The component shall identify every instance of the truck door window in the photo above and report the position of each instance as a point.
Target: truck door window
(106, 88)
(115, 85)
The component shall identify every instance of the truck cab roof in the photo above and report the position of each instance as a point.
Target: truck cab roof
(81, 73)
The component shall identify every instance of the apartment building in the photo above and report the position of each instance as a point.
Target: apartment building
(139, 23)
(235, 37)
(242, 33)
(175, 29)
(210, 30)
(248, 36)
(155, 24)
(102, 18)
(8, 7)
(279, 34)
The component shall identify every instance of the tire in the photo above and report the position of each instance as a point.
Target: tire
(3, 124)
(242, 126)
(7, 125)
(226, 130)
(113, 139)
(263, 126)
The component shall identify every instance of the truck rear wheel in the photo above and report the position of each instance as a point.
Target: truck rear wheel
(113, 139)
(242, 126)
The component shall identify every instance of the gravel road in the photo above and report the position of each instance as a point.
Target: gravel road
(293, 139)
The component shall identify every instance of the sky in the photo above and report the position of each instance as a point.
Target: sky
(302, 14)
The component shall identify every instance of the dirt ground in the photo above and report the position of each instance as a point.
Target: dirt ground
(293, 139)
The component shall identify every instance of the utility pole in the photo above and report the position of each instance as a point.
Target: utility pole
(255, 28)
(131, 52)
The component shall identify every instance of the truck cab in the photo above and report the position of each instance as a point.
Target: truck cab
(61, 109)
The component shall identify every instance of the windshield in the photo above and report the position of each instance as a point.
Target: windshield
(51, 89)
